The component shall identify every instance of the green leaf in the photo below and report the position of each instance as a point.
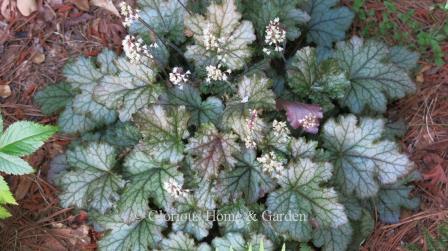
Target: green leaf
(163, 131)
(202, 112)
(261, 12)
(24, 137)
(236, 242)
(362, 230)
(212, 150)
(136, 236)
(182, 242)
(391, 199)
(333, 239)
(165, 17)
(328, 23)
(6, 197)
(233, 36)
(146, 181)
(372, 81)
(198, 224)
(128, 92)
(301, 193)
(122, 135)
(91, 183)
(14, 165)
(318, 82)
(241, 221)
(246, 179)
(1, 123)
(54, 98)
(362, 161)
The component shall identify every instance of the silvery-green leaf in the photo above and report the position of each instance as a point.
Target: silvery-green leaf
(179, 242)
(122, 135)
(362, 160)
(261, 242)
(165, 17)
(234, 36)
(163, 131)
(106, 60)
(403, 57)
(302, 148)
(230, 241)
(146, 182)
(128, 92)
(239, 217)
(71, 122)
(198, 224)
(245, 179)
(54, 98)
(202, 112)
(261, 12)
(372, 81)
(301, 192)
(328, 23)
(277, 141)
(333, 239)
(391, 199)
(91, 183)
(140, 235)
(82, 72)
(206, 194)
(212, 149)
(83, 103)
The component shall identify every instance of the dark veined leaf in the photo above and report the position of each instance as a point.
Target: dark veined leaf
(163, 131)
(182, 242)
(246, 179)
(54, 98)
(91, 183)
(362, 161)
(372, 80)
(328, 23)
(236, 242)
(147, 179)
(212, 149)
(202, 112)
(140, 235)
(333, 239)
(301, 192)
(165, 17)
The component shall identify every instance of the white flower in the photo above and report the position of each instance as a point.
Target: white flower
(270, 164)
(174, 189)
(179, 77)
(275, 36)
(280, 128)
(249, 139)
(129, 14)
(309, 121)
(135, 48)
(215, 73)
(210, 40)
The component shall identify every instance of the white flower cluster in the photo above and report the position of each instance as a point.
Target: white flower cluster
(275, 36)
(174, 189)
(309, 121)
(215, 73)
(211, 42)
(129, 14)
(179, 77)
(135, 48)
(271, 165)
(249, 138)
(280, 128)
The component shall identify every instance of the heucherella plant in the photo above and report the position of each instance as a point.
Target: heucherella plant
(234, 125)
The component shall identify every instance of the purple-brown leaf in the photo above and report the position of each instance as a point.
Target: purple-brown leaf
(302, 115)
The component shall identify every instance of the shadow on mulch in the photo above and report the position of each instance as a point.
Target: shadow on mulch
(34, 50)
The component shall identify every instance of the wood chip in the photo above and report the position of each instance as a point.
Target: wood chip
(5, 91)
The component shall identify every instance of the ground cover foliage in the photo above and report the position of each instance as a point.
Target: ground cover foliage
(242, 108)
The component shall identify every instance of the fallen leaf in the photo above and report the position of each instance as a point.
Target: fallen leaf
(5, 91)
(26, 7)
(81, 4)
(39, 58)
(106, 4)
(5, 9)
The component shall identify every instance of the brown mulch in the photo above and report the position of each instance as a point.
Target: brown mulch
(34, 49)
